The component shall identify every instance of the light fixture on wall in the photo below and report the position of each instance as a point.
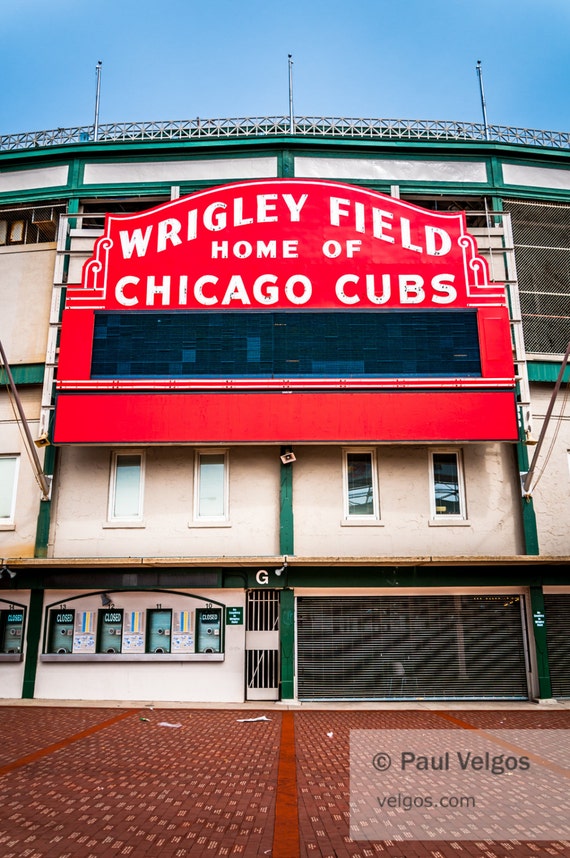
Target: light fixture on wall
(6, 574)
(529, 440)
(281, 569)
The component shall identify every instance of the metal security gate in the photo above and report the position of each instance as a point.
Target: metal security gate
(410, 647)
(557, 611)
(262, 645)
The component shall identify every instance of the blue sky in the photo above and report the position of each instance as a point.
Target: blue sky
(411, 59)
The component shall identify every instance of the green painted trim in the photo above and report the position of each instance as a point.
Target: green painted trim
(386, 578)
(540, 642)
(44, 515)
(286, 164)
(42, 529)
(95, 151)
(56, 195)
(287, 644)
(495, 172)
(529, 527)
(286, 528)
(530, 530)
(546, 371)
(35, 613)
(381, 576)
(75, 174)
(284, 149)
(24, 373)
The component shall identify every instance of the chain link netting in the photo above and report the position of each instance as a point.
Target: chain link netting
(33, 225)
(541, 233)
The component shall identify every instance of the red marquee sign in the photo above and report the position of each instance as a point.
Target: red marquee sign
(282, 245)
(285, 244)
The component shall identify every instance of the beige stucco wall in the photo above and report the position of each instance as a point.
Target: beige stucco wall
(165, 679)
(26, 278)
(492, 527)
(551, 479)
(80, 527)
(18, 539)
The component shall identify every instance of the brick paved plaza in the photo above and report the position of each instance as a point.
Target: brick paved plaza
(169, 783)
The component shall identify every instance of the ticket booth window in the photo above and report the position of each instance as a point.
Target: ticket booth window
(208, 630)
(11, 631)
(159, 626)
(61, 629)
(110, 630)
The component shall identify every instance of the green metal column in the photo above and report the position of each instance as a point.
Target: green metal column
(530, 530)
(287, 600)
(286, 164)
(287, 643)
(286, 538)
(539, 628)
(529, 527)
(32, 642)
(44, 515)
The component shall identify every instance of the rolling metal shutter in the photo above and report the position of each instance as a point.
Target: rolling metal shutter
(557, 610)
(398, 647)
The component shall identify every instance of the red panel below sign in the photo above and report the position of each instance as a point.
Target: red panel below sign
(178, 418)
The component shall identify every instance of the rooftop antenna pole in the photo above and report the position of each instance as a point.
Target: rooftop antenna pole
(291, 114)
(97, 98)
(482, 92)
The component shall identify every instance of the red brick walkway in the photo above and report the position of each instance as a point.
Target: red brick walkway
(81, 783)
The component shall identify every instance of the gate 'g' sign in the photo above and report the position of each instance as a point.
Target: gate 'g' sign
(284, 285)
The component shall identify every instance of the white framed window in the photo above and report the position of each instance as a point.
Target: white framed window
(211, 486)
(447, 488)
(9, 468)
(360, 485)
(126, 486)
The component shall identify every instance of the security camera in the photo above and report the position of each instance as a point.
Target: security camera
(288, 458)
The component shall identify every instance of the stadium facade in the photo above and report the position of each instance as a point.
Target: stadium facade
(283, 390)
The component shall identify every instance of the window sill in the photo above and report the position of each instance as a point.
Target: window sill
(361, 522)
(7, 527)
(449, 522)
(207, 523)
(9, 656)
(114, 525)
